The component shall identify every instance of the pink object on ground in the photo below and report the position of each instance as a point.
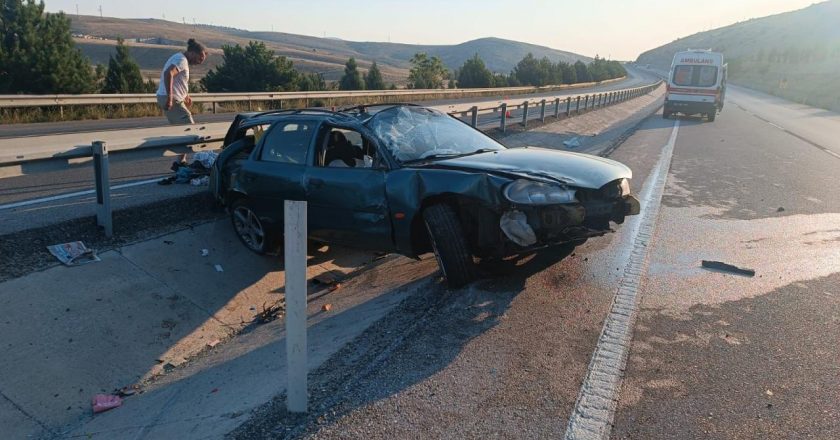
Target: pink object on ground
(104, 402)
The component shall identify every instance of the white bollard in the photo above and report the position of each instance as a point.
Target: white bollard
(295, 254)
(103, 187)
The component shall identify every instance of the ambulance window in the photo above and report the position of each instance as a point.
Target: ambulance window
(708, 76)
(695, 76)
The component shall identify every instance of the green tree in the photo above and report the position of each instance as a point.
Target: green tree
(426, 73)
(37, 54)
(373, 79)
(569, 74)
(311, 82)
(123, 74)
(474, 74)
(352, 79)
(582, 72)
(253, 68)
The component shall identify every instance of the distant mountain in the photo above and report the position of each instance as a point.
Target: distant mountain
(326, 55)
(795, 55)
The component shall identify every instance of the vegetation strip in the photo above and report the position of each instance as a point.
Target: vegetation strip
(595, 407)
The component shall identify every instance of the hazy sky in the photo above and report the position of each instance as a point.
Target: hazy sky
(618, 28)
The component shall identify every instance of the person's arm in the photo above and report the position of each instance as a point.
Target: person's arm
(167, 83)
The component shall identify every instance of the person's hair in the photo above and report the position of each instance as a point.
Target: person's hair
(195, 47)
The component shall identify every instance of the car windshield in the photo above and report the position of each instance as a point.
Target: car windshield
(417, 133)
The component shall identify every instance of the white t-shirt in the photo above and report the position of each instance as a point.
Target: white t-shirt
(180, 82)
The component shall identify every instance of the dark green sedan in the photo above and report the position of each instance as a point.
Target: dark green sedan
(410, 179)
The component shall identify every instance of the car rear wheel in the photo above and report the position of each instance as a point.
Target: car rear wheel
(666, 114)
(449, 245)
(249, 228)
(711, 116)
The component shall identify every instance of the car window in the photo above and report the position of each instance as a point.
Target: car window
(344, 148)
(696, 76)
(288, 142)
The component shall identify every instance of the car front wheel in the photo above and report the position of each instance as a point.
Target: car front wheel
(449, 245)
(249, 228)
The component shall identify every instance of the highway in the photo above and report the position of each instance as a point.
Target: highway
(687, 352)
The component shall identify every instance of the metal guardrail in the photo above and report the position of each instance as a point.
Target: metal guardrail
(20, 101)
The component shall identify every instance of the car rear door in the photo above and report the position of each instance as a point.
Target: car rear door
(277, 166)
(347, 205)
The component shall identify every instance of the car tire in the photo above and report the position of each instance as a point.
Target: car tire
(666, 115)
(449, 245)
(250, 228)
(711, 116)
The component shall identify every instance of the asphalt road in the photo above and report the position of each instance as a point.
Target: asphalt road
(714, 354)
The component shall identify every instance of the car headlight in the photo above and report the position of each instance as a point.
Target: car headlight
(624, 187)
(528, 192)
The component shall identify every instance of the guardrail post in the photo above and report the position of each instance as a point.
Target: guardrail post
(295, 266)
(568, 106)
(586, 103)
(577, 106)
(503, 121)
(542, 111)
(474, 119)
(556, 108)
(103, 187)
(214, 108)
(249, 104)
(525, 114)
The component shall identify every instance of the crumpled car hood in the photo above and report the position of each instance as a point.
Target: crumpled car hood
(575, 169)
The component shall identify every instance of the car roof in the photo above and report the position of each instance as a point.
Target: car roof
(356, 114)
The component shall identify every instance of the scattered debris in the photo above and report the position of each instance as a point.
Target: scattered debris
(214, 343)
(205, 252)
(573, 142)
(326, 307)
(781, 209)
(324, 278)
(334, 287)
(200, 181)
(167, 367)
(768, 392)
(214, 390)
(270, 313)
(127, 391)
(104, 402)
(169, 242)
(219, 268)
(717, 265)
(73, 254)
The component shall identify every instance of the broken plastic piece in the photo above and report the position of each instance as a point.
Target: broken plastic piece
(326, 307)
(104, 402)
(717, 265)
(572, 143)
(205, 252)
(73, 253)
(515, 226)
(219, 268)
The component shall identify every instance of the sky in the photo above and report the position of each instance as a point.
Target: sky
(618, 29)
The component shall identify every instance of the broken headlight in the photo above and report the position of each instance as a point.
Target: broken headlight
(616, 189)
(528, 192)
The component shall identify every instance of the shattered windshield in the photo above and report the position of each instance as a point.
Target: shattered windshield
(417, 133)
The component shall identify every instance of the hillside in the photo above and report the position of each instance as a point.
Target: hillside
(313, 54)
(795, 55)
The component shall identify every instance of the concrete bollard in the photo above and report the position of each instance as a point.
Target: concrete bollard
(295, 232)
(474, 118)
(103, 187)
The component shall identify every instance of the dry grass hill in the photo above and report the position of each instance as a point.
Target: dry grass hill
(795, 55)
(152, 41)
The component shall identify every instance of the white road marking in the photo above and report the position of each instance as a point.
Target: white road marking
(595, 407)
(777, 126)
(71, 195)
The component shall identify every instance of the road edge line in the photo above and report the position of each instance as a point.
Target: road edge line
(594, 410)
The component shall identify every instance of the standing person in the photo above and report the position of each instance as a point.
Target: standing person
(173, 92)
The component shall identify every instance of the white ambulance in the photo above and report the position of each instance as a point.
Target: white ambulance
(696, 84)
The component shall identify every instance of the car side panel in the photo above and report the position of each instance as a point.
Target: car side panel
(408, 189)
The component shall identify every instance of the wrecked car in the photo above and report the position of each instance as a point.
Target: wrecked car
(411, 180)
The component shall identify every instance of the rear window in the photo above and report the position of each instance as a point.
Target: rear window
(695, 76)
